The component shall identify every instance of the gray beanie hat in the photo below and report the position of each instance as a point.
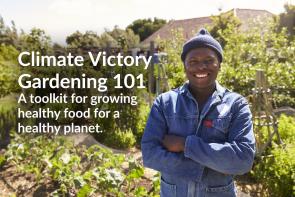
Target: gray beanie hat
(202, 39)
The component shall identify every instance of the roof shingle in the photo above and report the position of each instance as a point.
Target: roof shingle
(191, 26)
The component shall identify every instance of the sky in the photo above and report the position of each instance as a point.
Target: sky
(60, 18)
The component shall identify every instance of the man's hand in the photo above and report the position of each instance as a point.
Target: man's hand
(174, 143)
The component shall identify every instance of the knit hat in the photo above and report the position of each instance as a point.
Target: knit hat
(202, 39)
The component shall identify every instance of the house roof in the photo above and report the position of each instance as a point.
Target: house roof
(190, 26)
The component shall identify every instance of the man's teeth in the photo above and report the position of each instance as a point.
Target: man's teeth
(201, 75)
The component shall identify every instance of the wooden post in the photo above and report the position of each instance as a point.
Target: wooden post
(108, 49)
(151, 69)
(263, 115)
(151, 78)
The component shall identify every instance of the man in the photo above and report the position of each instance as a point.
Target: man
(199, 135)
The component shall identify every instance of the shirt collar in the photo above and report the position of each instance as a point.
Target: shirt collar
(220, 90)
(184, 89)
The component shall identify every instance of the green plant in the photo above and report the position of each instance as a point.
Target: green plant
(75, 170)
(2, 160)
(8, 70)
(174, 66)
(286, 128)
(277, 170)
(144, 111)
(121, 139)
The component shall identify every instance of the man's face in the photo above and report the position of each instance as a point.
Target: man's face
(201, 67)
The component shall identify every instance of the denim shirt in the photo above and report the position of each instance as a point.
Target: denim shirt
(219, 142)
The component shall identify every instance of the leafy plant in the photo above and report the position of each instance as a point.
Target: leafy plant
(2, 160)
(77, 170)
(286, 128)
(121, 139)
(277, 170)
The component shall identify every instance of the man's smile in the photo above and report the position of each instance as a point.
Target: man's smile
(200, 76)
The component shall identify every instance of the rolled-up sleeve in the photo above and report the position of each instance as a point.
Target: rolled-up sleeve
(236, 155)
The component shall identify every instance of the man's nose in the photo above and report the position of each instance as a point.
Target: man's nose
(201, 66)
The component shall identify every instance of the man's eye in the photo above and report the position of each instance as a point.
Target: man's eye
(193, 62)
(209, 61)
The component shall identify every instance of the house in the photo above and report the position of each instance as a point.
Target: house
(191, 26)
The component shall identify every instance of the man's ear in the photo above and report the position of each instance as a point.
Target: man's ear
(184, 66)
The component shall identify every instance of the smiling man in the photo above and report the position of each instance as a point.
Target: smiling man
(199, 135)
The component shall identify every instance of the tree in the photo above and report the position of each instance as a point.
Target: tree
(287, 19)
(223, 25)
(8, 35)
(58, 49)
(124, 38)
(146, 27)
(114, 38)
(79, 40)
(107, 40)
(9, 70)
(36, 40)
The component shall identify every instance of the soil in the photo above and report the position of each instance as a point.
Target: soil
(15, 183)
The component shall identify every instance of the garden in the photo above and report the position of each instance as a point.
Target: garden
(54, 165)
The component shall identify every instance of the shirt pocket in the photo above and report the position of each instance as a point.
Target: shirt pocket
(167, 189)
(217, 130)
(222, 191)
(182, 125)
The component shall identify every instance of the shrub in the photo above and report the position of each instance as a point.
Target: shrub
(277, 173)
(120, 139)
(140, 125)
(2, 160)
(286, 128)
(277, 170)
(8, 70)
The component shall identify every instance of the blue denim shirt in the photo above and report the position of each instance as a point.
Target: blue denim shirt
(219, 142)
